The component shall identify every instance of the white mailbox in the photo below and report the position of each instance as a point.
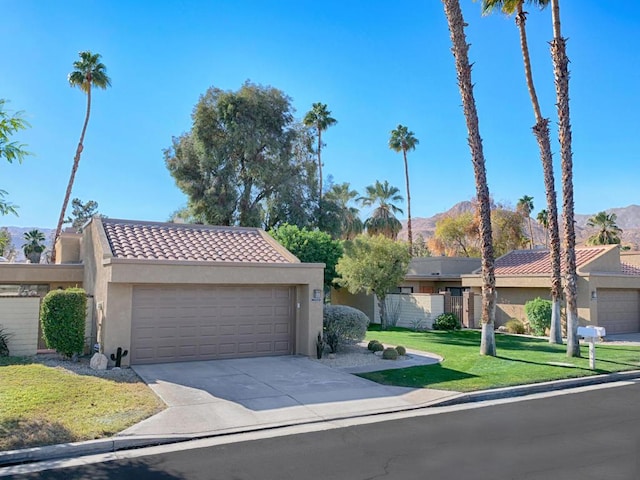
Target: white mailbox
(590, 334)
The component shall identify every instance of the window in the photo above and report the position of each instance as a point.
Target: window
(402, 290)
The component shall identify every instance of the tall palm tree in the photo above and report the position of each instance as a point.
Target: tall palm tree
(463, 68)
(525, 207)
(608, 232)
(342, 195)
(543, 219)
(543, 137)
(88, 72)
(319, 118)
(382, 220)
(402, 140)
(561, 74)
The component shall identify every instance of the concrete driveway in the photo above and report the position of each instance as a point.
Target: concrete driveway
(243, 394)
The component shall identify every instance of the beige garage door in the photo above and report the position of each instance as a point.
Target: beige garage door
(618, 310)
(182, 323)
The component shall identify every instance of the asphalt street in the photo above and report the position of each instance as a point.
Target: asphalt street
(593, 435)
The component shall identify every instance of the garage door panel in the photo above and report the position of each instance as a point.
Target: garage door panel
(197, 323)
(619, 310)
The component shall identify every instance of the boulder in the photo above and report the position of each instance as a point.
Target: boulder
(99, 361)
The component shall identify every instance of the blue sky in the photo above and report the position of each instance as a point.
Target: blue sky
(375, 64)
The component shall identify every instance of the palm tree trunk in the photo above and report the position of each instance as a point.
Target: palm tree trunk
(541, 132)
(409, 231)
(320, 170)
(460, 52)
(561, 73)
(74, 169)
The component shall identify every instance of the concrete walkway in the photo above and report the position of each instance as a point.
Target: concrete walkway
(223, 396)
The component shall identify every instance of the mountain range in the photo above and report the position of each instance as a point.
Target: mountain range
(628, 219)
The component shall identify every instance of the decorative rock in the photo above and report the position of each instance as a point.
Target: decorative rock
(502, 329)
(332, 356)
(99, 361)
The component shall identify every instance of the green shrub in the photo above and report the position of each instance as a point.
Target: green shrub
(401, 350)
(377, 347)
(446, 321)
(390, 354)
(515, 326)
(371, 343)
(63, 320)
(343, 325)
(4, 342)
(538, 313)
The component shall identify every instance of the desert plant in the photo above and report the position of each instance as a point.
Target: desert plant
(343, 325)
(4, 342)
(371, 344)
(515, 326)
(401, 350)
(392, 309)
(377, 347)
(417, 323)
(63, 320)
(446, 321)
(538, 313)
(390, 354)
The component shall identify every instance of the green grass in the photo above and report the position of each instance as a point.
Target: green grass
(520, 360)
(41, 405)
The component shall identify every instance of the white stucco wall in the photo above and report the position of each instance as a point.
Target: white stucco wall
(414, 309)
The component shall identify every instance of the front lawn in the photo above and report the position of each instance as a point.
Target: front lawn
(520, 360)
(41, 405)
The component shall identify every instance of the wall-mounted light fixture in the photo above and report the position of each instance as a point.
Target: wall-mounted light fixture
(317, 295)
(594, 295)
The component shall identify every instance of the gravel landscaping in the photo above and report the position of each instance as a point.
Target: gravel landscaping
(81, 367)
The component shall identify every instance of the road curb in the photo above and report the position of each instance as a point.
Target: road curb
(115, 444)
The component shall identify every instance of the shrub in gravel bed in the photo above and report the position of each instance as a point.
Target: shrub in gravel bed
(371, 344)
(401, 350)
(390, 354)
(344, 325)
(377, 347)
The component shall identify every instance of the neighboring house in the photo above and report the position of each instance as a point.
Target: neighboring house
(432, 285)
(175, 292)
(608, 288)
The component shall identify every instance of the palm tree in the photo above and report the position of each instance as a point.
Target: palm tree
(541, 132)
(342, 195)
(382, 220)
(402, 140)
(319, 118)
(561, 74)
(525, 207)
(34, 245)
(608, 232)
(463, 68)
(88, 72)
(543, 219)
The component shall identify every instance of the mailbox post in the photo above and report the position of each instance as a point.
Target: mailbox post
(590, 335)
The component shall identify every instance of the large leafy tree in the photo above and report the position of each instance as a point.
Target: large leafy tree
(457, 236)
(245, 160)
(319, 118)
(463, 68)
(561, 74)
(342, 195)
(88, 73)
(10, 123)
(383, 220)
(311, 246)
(403, 140)
(543, 137)
(525, 207)
(508, 230)
(608, 231)
(81, 213)
(374, 265)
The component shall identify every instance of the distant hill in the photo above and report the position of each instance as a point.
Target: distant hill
(628, 219)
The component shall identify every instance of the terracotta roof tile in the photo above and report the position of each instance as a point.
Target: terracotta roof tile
(629, 269)
(527, 262)
(181, 242)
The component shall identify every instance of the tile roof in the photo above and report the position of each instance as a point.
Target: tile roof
(527, 262)
(182, 242)
(629, 269)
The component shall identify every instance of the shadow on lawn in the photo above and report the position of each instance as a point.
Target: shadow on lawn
(417, 377)
(16, 432)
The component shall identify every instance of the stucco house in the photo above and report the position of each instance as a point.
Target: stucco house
(608, 287)
(175, 292)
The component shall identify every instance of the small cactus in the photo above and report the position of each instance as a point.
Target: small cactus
(377, 347)
(390, 354)
(401, 350)
(118, 356)
(371, 344)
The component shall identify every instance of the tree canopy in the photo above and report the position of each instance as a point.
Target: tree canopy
(608, 232)
(10, 150)
(311, 246)
(81, 213)
(382, 220)
(373, 264)
(246, 161)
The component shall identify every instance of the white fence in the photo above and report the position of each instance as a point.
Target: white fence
(414, 310)
(19, 317)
